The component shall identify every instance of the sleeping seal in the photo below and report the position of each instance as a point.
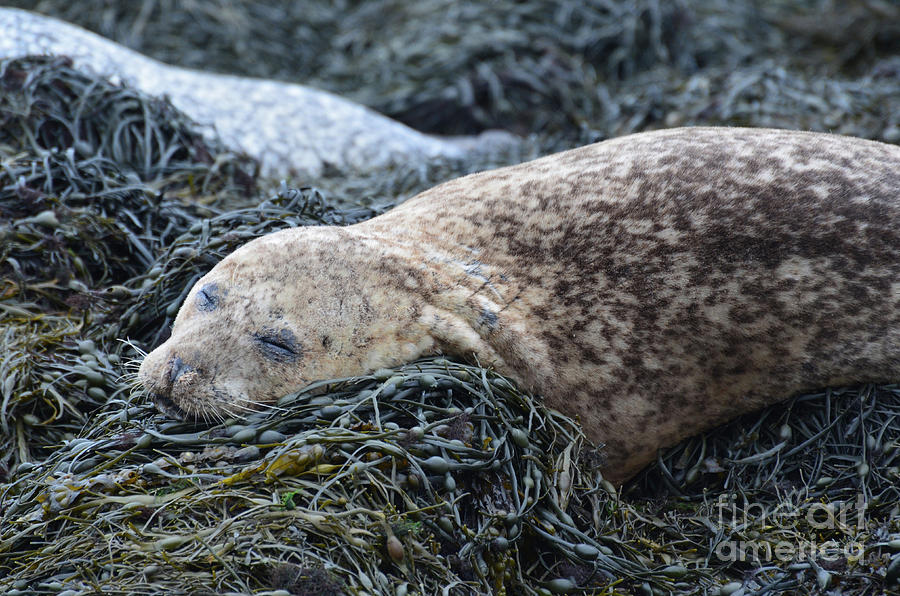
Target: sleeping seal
(652, 286)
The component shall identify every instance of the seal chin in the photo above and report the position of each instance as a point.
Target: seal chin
(168, 407)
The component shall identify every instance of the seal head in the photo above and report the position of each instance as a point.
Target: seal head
(278, 313)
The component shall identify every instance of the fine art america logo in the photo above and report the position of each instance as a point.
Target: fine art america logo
(793, 530)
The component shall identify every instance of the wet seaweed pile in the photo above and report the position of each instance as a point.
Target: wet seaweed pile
(93, 182)
(570, 70)
(817, 477)
(438, 477)
(479, 66)
(434, 475)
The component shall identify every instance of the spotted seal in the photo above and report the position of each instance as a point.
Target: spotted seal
(291, 129)
(652, 285)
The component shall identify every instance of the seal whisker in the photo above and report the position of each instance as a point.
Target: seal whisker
(255, 408)
(263, 406)
(130, 343)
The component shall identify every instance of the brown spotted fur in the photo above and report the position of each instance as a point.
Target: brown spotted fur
(652, 285)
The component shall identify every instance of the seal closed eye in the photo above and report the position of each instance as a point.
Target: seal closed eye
(652, 286)
(280, 346)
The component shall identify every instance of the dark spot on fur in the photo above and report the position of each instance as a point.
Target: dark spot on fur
(207, 299)
(487, 319)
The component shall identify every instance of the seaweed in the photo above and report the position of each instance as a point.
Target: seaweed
(437, 476)
(94, 182)
(571, 71)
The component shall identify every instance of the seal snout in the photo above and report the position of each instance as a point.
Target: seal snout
(166, 380)
(177, 370)
(168, 407)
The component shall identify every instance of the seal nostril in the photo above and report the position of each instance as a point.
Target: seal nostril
(177, 367)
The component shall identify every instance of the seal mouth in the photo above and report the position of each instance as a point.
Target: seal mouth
(168, 407)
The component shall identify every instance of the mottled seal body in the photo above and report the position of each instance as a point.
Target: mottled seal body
(652, 285)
